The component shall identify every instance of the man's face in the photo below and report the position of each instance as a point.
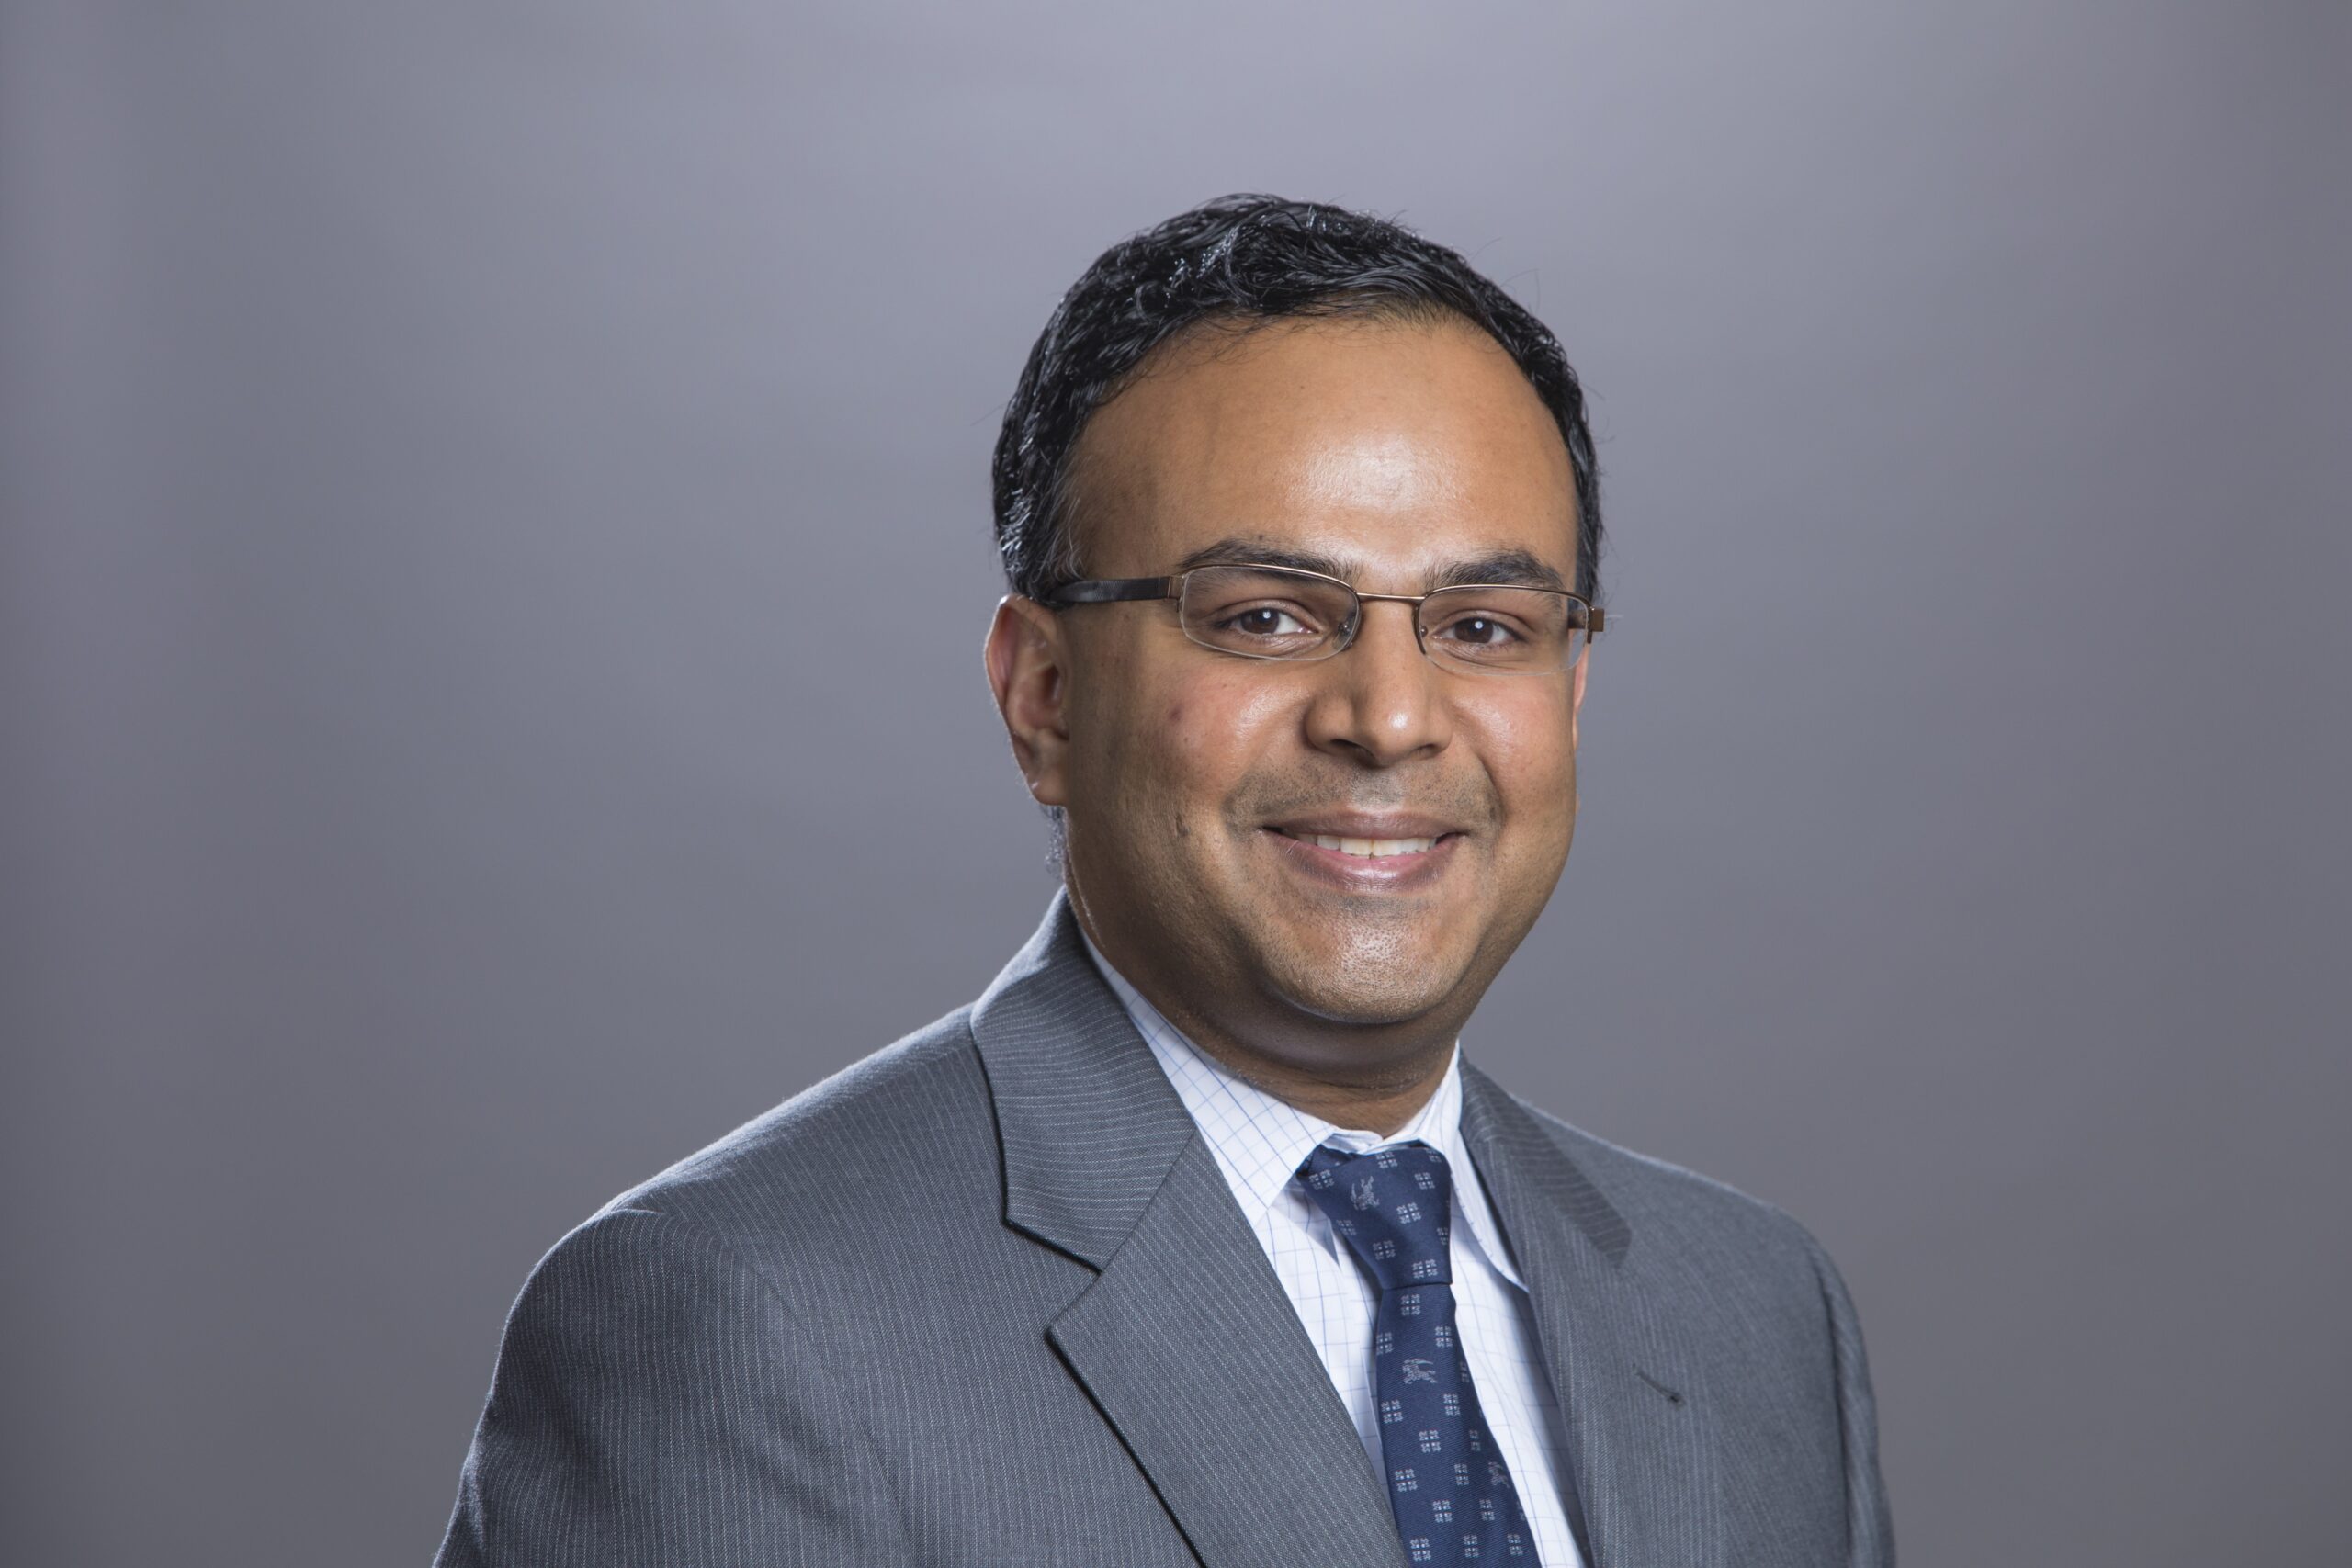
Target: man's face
(1195, 781)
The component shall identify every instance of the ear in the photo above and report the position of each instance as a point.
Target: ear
(1027, 665)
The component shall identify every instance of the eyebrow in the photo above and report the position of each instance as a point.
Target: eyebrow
(1502, 566)
(1512, 566)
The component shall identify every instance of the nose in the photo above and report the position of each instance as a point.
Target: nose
(1381, 701)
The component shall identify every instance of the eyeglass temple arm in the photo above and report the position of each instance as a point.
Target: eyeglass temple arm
(1111, 591)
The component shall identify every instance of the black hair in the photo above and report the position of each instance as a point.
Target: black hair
(1245, 259)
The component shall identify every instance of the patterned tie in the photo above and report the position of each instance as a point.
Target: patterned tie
(1447, 1483)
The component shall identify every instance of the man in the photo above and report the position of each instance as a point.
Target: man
(1195, 1240)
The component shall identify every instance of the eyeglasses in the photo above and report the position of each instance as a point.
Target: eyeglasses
(1279, 612)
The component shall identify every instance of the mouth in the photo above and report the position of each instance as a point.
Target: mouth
(1360, 854)
(1367, 849)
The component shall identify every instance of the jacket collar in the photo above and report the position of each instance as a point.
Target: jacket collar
(1183, 1340)
(1089, 1123)
(1188, 1345)
(1642, 1447)
(1090, 1126)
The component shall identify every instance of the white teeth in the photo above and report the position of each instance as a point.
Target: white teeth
(1370, 849)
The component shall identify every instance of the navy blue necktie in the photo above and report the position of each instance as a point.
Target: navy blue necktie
(1447, 1483)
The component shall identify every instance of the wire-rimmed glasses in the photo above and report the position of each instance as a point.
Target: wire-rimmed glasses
(1279, 612)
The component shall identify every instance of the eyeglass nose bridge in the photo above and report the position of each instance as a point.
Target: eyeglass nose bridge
(1347, 634)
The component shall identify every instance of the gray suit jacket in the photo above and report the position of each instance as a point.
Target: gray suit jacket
(984, 1298)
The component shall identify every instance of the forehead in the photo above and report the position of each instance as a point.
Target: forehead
(1402, 446)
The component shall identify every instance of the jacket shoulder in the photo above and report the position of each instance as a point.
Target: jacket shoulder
(843, 1156)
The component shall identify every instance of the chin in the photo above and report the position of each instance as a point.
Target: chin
(1372, 981)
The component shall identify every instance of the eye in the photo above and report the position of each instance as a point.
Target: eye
(1481, 631)
(1262, 620)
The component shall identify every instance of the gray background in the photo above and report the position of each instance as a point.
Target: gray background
(449, 772)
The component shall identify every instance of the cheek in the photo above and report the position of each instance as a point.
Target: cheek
(1530, 750)
(1167, 744)
(1212, 725)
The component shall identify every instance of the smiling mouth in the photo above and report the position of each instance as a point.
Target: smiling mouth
(1368, 849)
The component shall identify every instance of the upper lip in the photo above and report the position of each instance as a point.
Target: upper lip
(1365, 825)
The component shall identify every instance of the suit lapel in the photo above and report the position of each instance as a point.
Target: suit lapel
(1193, 1352)
(1184, 1340)
(1638, 1428)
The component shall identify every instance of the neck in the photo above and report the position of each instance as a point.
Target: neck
(1369, 1077)
(1382, 1103)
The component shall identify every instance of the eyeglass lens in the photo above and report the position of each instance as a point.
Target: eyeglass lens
(1262, 614)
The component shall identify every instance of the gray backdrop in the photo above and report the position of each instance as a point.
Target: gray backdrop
(451, 770)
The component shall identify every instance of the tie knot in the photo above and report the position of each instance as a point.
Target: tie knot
(1394, 1207)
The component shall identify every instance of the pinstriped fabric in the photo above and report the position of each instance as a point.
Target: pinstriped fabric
(1188, 1350)
(1208, 1379)
(1870, 1522)
(776, 1352)
(784, 1352)
(1111, 1097)
(1259, 1141)
(661, 1411)
(1714, 1416)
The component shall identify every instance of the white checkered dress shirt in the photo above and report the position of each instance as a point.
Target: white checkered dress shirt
(1259, 1143)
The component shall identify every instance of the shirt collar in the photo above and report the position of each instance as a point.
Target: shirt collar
(1260, 1141)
